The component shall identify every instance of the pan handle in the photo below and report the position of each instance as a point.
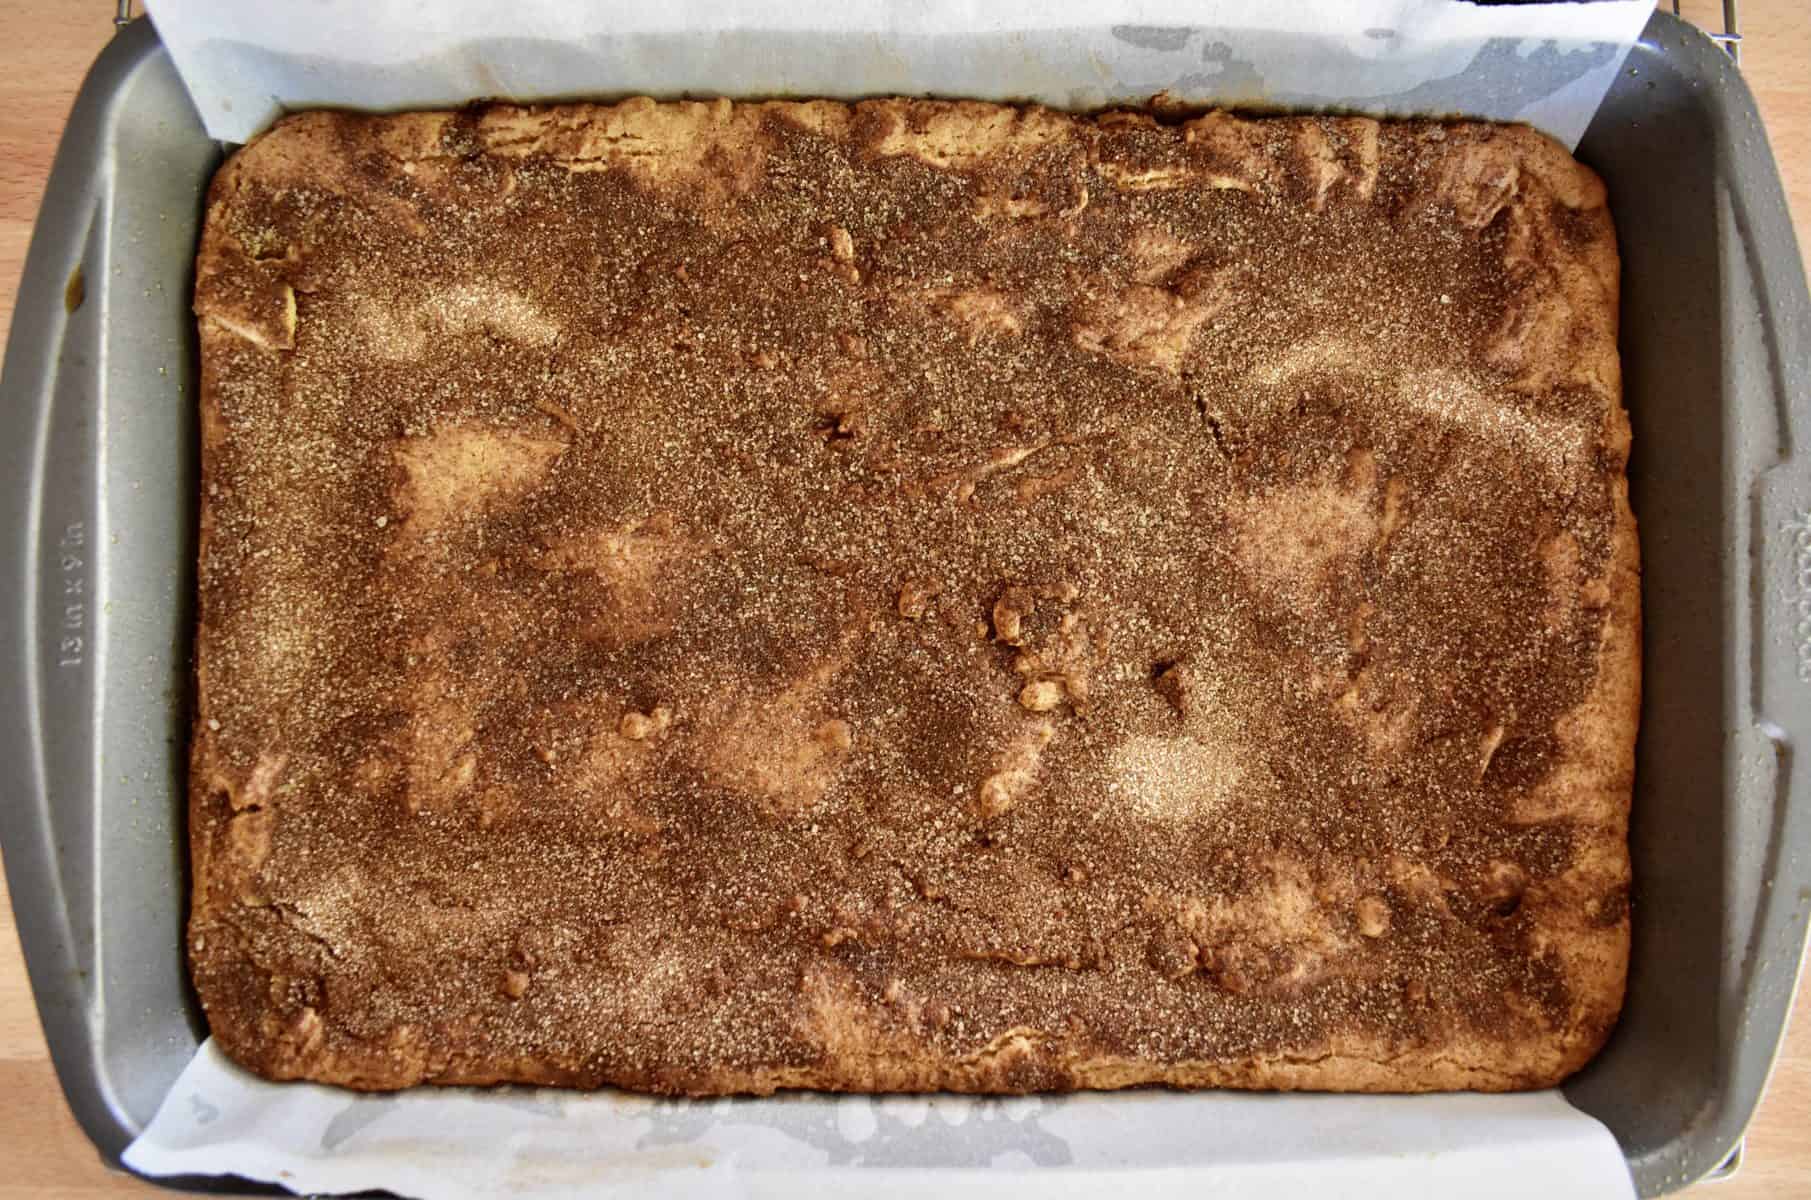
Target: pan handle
(1778, 592)
(50, 519)
(1780, 578)
(53, 589)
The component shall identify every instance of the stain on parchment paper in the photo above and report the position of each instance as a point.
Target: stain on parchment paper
(1154, 37)
(881, 1131)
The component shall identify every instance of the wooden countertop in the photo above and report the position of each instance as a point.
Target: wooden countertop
(46, 1156)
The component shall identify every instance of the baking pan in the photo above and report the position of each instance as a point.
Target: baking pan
(97, 459)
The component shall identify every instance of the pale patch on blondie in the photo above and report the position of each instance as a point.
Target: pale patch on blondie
(464, 469)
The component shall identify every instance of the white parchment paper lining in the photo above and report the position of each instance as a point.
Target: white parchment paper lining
(244, 64)
(473, 1144)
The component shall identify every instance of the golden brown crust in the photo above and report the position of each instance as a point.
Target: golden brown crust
(904, 596)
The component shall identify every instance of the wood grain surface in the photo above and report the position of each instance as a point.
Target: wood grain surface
(49, 45)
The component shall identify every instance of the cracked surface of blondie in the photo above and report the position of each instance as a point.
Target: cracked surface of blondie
(910, 595)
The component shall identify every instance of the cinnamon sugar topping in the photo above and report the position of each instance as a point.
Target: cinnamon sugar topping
(719, 597)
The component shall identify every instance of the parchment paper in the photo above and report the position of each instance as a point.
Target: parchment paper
(469, 1144)
(1547, 64)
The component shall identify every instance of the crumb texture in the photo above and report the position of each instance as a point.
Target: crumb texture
(714, 598)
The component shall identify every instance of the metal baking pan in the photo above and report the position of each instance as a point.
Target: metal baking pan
(97, 462)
